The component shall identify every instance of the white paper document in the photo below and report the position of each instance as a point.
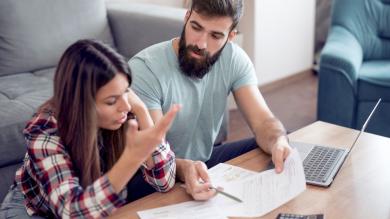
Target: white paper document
(187, 210)
(265, 191)
(223, 174)
(260, 192)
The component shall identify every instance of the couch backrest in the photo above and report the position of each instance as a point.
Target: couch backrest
(34, 34)
(369, 22)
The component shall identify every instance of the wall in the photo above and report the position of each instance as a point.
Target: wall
(173, 3)
(278, 36)
(283, 37)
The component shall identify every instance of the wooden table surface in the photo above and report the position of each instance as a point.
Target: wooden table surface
(361, 189)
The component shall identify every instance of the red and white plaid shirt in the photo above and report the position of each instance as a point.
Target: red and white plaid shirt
(51, 188)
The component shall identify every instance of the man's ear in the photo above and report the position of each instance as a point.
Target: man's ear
(232, 35)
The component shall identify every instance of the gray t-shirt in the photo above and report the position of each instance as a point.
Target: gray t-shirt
(158, 81)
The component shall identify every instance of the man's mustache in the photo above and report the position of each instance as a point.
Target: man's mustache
(195, 49)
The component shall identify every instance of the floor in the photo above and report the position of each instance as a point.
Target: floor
(295, 104)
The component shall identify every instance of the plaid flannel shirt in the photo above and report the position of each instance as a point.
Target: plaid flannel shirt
(51, 188)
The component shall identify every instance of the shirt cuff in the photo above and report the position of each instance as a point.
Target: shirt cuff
(112, 200)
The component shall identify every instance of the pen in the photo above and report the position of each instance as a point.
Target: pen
(220, 192)
(226, 194)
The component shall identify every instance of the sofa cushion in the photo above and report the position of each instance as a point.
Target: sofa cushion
(34, 34)
(7, 175)
(374, 81)
(130, 21)
(20, 95)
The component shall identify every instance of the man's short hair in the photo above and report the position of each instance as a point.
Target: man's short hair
(219, 8)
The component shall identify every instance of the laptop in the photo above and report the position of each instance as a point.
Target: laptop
(321, 163)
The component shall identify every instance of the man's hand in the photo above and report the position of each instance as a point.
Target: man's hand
(196, 179)
(280, 151)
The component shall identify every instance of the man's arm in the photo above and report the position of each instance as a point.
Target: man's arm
(268, 130)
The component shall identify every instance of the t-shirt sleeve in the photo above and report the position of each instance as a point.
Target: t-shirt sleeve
(145, 84)
(243, 71)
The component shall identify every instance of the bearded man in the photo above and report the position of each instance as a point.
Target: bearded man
(199, 70)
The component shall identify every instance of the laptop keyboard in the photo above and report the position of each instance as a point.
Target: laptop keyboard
(320, 162)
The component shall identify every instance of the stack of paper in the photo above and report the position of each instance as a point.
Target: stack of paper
(260, 192)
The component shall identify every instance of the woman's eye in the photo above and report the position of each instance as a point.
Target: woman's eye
(111, 102)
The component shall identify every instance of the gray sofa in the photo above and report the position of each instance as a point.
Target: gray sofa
(34, 34)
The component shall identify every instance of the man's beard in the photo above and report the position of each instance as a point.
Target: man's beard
(195, 68)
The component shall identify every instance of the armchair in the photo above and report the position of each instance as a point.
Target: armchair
(354, 67)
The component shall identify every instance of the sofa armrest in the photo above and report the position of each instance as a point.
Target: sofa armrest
(340, 62)
(342, 53)
(137, 26)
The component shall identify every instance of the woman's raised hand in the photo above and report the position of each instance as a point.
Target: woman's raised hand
(141, 143)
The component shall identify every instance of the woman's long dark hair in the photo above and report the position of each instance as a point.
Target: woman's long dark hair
(83, 69)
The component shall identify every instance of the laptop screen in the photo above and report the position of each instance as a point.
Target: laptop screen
(365, 124)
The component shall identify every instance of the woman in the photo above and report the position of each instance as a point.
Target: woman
(81, 148)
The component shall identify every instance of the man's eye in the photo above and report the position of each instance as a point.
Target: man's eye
(196, 28)
(216, 36)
